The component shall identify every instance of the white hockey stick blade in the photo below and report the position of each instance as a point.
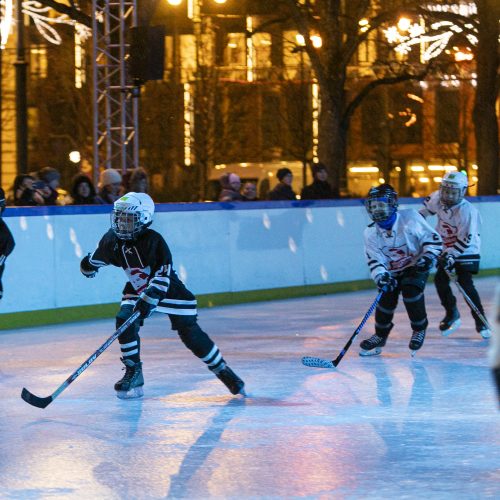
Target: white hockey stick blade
(317, 362)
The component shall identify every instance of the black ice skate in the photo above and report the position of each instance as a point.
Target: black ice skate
(231, 381)
(450, 322)
(372, 346)
(416, 341)
(130, 386)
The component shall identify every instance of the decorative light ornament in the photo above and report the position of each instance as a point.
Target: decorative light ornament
(6, 22)
(40, 15)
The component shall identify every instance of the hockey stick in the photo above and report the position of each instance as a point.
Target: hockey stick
(43, 402)
(324, 363)
(473, 306)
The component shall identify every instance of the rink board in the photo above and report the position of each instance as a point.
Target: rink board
(218, 249)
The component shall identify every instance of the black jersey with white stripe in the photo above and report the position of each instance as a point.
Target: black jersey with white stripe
(147, 262)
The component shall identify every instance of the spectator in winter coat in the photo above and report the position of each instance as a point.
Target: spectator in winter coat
(230, 184)
(110, 182)
(83, 191)
(283, 190)
(249, 192)
(27, 192)
(320, 188)
(135, 181)
(51, 177)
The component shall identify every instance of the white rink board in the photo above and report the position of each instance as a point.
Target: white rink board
(217, 247)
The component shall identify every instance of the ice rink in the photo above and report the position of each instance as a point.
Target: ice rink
(386, 427)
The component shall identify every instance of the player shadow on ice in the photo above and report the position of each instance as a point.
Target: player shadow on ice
(199, 451)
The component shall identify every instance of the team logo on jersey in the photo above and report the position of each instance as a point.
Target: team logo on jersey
(398, 257)
(448, 233)
(138, 277)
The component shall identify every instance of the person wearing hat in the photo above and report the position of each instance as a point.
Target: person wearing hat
(110, 181)
(50, 176)
(320, 188)
(283, 190)
(6, 240)
(230, 184)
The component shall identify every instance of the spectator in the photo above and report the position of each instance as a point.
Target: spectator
(26, 192)
(136, 181)
(320, 188)
(249, 192)
(82, 191)
(51, 177)
(110, 182)
(6, 240)
(231, 184)
(283, 190)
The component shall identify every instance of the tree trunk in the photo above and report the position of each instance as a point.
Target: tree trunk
(332, 140)
(485, 118)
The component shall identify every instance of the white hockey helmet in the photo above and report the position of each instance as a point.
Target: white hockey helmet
(453, 188)
(131, 215)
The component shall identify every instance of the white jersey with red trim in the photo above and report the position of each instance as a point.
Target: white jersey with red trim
(396, 249)
(459, 225)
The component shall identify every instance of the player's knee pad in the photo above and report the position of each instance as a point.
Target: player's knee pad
(418, 280)
(132, 332)
(195, 339)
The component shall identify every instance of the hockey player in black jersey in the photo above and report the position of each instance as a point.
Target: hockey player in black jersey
(401, 249)
(152, 285)
(6, 240)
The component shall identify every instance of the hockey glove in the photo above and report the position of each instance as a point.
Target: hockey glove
(386, 283)
(447, 261)
(145, 305)
(86, 268)
(424, 264)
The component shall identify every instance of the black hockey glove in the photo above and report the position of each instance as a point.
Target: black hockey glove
(386, 283)
(145, 305)
(424, 264)
(86, 268)
(446, 261)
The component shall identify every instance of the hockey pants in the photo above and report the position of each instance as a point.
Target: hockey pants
(411, 285)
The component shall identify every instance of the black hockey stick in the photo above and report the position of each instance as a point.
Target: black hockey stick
(473, 306)
(44, 402)
(324, 363)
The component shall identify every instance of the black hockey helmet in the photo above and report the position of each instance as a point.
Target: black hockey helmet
(381, 202)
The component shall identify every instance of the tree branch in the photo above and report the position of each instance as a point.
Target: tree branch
(388, 80)
(70, 10)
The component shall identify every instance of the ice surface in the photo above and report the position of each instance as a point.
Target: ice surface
(388, 427)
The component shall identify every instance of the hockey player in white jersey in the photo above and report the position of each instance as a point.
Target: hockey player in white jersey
(401, 249)
(458, 223)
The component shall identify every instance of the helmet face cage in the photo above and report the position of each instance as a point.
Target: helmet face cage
(127, 225)
(381, 204)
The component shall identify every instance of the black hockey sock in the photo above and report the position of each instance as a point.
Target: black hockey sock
(214, 360)
(131, 350)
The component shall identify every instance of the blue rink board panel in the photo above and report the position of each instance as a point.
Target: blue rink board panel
(384, 427)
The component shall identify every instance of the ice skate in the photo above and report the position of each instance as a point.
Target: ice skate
(372, 346)
(231, 381)
(484, 331)
(450, 322)
(130, 385)
(416, 341)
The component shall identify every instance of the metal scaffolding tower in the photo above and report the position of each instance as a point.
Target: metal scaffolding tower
(115, 96)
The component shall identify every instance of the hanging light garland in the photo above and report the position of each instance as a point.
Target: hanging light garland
(40, 15)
